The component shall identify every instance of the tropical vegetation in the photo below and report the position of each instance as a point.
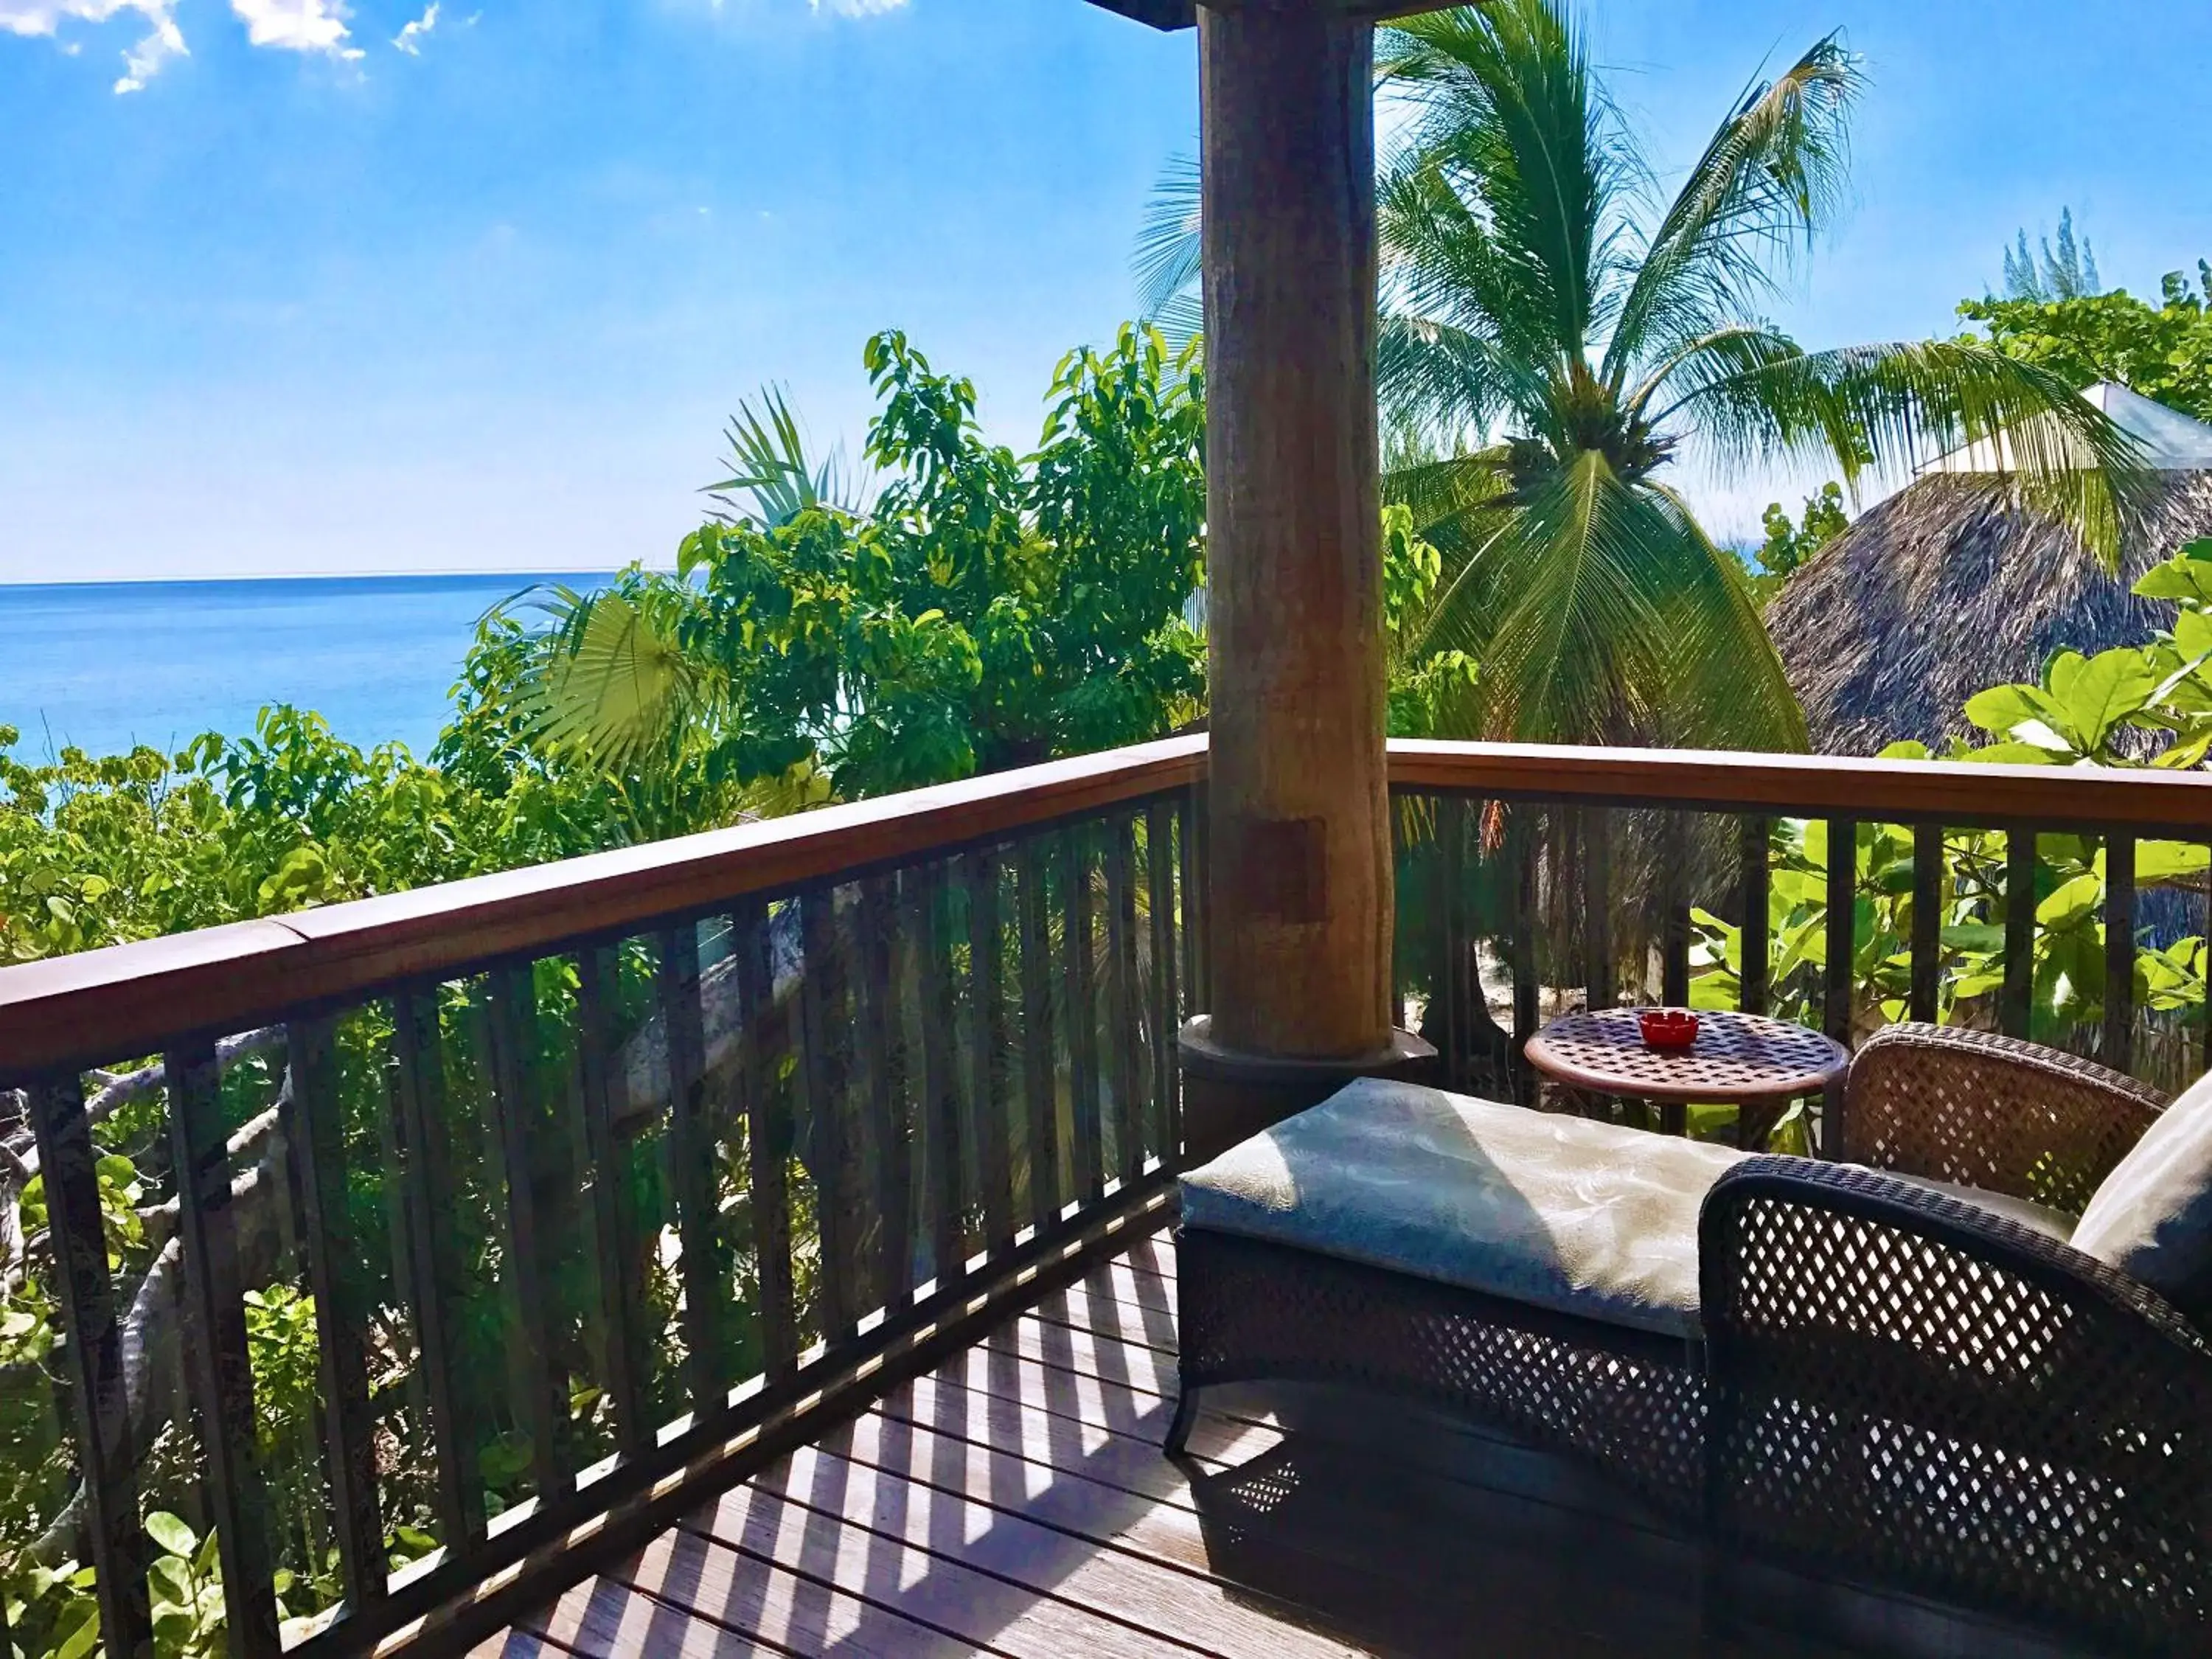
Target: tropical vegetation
(1558, 341)
(1566, 340)
(2142, 706)
(2163, 351)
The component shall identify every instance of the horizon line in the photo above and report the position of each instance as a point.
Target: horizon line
(322, 575)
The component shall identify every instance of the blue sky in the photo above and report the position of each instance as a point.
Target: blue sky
(286, 287)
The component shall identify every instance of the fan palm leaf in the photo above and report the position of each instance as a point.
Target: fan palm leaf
(612, 678)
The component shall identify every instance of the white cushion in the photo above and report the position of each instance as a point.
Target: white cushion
(2032, 1215)
(2151, 1217)
(1560, 1213)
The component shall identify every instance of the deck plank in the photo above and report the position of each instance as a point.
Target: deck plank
(938, 1530)
(1015, 1502)
(688, 1599)
(891, 1568)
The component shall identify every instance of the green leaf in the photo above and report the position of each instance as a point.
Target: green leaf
(2170, 861)
(2073, 901)
(2020, 754)
(171, 1534)
(1973, 936)
(171, 1580)
(2187, 579)
(2103, 693)
(2186, 754)
(2003, 708)
(83, 1640)
(1978, 984)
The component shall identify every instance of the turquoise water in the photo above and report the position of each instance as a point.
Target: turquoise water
(104, 666)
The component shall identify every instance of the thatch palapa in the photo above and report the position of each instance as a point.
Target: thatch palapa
(1952, 585)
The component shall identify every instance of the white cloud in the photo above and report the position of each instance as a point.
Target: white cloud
(856, 8)
(410, 38)
(298, 25)
(163, 39)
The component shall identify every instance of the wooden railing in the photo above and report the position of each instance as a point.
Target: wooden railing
(478, 1215)
(481, 1224)
(1576, 875)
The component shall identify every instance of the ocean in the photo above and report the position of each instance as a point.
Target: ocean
(104, 666)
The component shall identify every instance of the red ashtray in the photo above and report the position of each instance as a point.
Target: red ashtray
(1668, 1028)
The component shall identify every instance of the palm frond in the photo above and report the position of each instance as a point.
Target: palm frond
(1769, 180)
(1511, 117)
(612, 678)
(1466, 337)
(1448, 494)
(772, 472)
(1892, 406)
(1727, 688)
(1170, 252)
(1561, 613)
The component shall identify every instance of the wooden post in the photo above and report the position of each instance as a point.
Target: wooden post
(1300, 928)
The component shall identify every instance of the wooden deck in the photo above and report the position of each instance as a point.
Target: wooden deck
(1016, 1501)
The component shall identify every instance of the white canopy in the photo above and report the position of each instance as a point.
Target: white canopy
(2171, 441)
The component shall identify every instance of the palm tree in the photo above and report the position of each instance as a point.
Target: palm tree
(1563, 337)
(612, 676)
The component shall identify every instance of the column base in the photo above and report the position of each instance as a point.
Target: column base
(1229, 1096)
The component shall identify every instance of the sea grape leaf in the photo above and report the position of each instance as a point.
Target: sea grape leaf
(2102, 693)
(2186, 578)
(2073, 901)
(2171, 861)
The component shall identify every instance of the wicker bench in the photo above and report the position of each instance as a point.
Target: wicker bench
(1897, 1367)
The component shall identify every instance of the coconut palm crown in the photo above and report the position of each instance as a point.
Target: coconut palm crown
(1555, 336)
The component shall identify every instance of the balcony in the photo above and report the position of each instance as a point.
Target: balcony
(764, 1233)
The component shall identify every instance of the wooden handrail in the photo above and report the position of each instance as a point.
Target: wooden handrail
(107, 1005)
(129, 999)
(1953, 793)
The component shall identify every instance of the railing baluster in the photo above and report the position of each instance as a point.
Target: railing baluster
(2017, 994)
(1121, 1069)
(940, 1080)
(1525, 987)
(1927, 920)
(987, 1044)
(768, 1139)
(1675, 911)
(1451, 915)
(99, 1401)
(614, 1203)
(2118, 1049)
(511, 1019)
(1754, 959)
(883, 1047)
(828, 1143)
(1842, 935)
(1837, 977)
(691, 1165)
(1598, 990)
(341, 1308)
(1160, 875)
(1082, 1017)
(222, 1375)
(1037, 1079)
(435, 1272)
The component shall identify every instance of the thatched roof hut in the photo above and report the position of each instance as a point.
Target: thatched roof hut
(1950, 586)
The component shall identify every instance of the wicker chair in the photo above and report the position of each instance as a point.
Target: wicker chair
(1912, 1388)
(1895, 1384)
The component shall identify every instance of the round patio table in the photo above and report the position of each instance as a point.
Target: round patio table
(1747, 1060)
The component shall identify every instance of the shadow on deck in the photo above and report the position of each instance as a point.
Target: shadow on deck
(1016, 1501)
